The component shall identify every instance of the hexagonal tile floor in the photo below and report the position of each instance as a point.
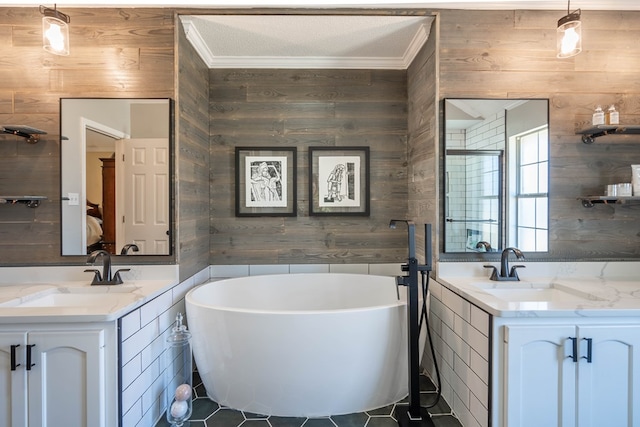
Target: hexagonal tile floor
(207, 413)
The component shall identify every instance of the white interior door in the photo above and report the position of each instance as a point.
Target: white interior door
(143, 189)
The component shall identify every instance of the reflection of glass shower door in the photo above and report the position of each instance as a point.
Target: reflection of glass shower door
(473, 200)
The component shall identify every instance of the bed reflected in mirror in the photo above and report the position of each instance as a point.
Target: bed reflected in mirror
(115, 175)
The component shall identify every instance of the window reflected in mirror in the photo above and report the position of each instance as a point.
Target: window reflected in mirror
(496, 175)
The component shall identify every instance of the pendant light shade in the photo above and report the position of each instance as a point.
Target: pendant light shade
(55, 31)
(569, 34)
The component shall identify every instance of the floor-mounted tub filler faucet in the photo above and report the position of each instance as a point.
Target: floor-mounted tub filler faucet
(413, 415)
(106, 278)
(507, 274)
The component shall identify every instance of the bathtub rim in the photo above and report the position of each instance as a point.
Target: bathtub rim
(190, 300)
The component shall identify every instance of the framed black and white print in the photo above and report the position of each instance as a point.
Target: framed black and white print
(265, 181)
(339, 181)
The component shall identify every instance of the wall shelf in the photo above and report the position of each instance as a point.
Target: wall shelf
(590, 134)
(31, 134)
(590, 201)
(30, 201)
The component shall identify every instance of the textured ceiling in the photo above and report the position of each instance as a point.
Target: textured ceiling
(307, 41)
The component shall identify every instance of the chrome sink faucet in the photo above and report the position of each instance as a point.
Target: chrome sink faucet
(505, 273)
(106, 278)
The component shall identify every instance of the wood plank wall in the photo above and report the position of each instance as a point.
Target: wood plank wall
(193, 163)
(114, 53)
(304, 108)
(120, 52)
(422, 181)
(511, 54)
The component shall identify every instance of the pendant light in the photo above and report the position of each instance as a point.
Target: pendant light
(569, 34)
(55, 31)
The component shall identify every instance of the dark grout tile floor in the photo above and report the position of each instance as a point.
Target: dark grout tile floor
(207, 413)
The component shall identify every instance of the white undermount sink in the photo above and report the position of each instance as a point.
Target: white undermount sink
(89, 296)
(534, 292)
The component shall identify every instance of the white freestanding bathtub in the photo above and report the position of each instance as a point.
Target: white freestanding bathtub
(300, 345)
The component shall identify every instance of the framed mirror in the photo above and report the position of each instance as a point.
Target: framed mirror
(496, 175)
(116, 160)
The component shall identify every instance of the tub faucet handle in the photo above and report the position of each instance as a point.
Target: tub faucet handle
(401, 281)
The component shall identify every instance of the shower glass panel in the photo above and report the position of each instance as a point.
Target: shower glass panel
(473, 202)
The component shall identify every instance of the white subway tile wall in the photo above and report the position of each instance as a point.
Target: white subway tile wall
(143, 334)
(473, 182)
(461, 339)
(226, 271)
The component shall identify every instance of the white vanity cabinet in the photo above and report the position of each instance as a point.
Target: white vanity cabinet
(559, 372)
(58, 375)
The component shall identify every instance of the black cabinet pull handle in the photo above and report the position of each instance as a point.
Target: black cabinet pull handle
(14, 365)
(589, 348)
(29, 364)
(574, 349)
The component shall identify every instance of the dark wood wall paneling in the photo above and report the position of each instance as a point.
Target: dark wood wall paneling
(512, 54)
(114, 53)
(303, 108)
(193, 164)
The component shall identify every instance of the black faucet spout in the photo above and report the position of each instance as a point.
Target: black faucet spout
(106, 263)
(505, 273)
(127, 247)
(504, 260)
(106, 278)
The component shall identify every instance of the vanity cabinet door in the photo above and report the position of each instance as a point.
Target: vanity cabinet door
(540, 376)
(13, 380)
(609, 384)
(66, 383)
(545, 386)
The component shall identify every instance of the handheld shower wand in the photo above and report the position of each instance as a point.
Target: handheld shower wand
(411, 232)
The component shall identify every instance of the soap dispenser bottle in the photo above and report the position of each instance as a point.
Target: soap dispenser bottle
(598, 116)
(613, 118)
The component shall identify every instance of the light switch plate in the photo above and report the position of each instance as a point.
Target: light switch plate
(74, 199)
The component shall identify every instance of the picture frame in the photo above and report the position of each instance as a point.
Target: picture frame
(265, 179)
(339, 181)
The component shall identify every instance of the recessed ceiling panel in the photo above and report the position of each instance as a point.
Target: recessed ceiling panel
(307, 41)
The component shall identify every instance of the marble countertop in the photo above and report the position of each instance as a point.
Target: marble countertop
(551, 296)
(66, 296)
(556, 289)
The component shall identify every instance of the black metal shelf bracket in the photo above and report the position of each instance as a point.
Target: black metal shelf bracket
(32, 135)
(589, 135)
(591, 201)
(29, 201)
